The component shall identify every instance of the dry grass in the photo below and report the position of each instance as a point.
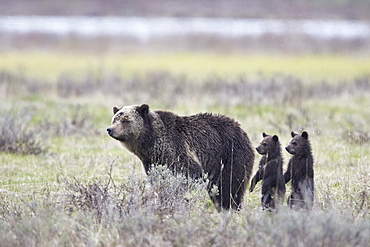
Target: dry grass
(160, 211)
(173, 90)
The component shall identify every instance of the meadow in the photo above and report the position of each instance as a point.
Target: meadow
(65, 182)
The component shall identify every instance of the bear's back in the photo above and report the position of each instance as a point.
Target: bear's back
(203, 127)
(212, 138)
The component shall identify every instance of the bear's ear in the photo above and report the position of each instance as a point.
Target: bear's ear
(275, 138)
(264, 134)
(293, 134)
(305, 135)
(143, 109)
(116, 109)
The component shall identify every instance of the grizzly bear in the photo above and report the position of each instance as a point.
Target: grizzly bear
(198, 145)
(270, 172)
(300, 171)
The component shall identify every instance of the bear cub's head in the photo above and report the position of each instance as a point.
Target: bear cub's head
(299, 144)
(269, 144)
(128, 122)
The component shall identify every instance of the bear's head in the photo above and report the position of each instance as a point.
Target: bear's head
(299, 144)
(128, 123)
(269, 144)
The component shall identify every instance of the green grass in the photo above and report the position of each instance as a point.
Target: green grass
(196, 65)
(85, 189)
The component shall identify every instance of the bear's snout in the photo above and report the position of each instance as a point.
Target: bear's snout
(110, 131)
(290, 150)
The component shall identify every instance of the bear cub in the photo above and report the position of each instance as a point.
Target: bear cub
(300, 172)
(270, 172)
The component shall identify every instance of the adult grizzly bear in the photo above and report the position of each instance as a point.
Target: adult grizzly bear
(270, 171)
(192, 145)
(300, 171)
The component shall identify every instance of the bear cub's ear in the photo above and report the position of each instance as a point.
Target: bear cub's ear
(264, 134)
(143, 109)
(116, 109)
(305, 135)
(275, 138)
(293, 134)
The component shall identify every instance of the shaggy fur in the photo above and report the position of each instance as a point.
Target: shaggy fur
(270, 172)
(196, 145)
(300, 171)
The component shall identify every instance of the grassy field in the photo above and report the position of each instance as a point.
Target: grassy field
(52, 65)
(65, 182)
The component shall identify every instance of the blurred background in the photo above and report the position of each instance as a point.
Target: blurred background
(294, 26)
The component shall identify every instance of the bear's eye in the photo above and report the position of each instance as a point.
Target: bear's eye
(294, 143)
(124, 118)
(264, 144)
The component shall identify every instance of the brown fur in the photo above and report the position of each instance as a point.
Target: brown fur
(270, 172)
(300, 171)
(192, 145)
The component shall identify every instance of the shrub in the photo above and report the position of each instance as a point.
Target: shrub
(161, 194)
(16, 134)
(70, 120)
